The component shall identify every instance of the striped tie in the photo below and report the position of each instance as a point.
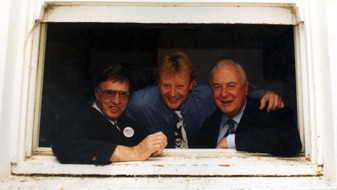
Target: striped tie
(180, 133)
(231, 129)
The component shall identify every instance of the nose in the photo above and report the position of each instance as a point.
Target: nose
(116, 99)
(172, 91)
(224, 92)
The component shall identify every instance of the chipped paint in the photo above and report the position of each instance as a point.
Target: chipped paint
(179, 163)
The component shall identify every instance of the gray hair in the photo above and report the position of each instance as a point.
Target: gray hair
(226, 62)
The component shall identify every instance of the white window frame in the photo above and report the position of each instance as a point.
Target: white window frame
(185, 11)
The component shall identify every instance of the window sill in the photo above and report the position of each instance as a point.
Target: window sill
(178, 163)
(175, 169)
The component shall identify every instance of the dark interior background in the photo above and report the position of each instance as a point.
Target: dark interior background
(73, 52)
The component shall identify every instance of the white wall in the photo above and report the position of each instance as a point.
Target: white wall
(4, 124)
(330, 132)
(17, 21)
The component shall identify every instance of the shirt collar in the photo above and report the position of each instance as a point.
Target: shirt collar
(238, 116)
(94, 105)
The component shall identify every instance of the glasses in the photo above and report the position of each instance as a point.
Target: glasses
(112, 93)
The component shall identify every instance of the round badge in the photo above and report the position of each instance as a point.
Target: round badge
(128, 132)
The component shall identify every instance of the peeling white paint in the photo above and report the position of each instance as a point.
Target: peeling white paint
(187, 163)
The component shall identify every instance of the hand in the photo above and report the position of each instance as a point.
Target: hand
(152, 144)
(273, 99)
(222, 143)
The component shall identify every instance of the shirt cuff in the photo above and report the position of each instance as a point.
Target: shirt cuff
(231, 141)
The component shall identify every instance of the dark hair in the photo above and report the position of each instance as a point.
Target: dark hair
(117, 72)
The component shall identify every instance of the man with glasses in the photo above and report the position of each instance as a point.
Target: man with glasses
(102, 133)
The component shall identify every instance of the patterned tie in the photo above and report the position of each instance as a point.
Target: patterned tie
(231, 129)
(180, 133)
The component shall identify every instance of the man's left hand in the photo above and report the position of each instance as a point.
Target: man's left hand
(273, 99)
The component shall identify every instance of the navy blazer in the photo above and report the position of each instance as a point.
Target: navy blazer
(258, 131)
(86, 137)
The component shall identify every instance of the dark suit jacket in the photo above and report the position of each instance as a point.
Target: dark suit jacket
(258, 131)
(87, 137)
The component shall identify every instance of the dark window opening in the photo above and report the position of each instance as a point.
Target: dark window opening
(74, 50)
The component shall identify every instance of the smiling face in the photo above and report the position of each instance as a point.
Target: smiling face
(174, 88)
(175, 79)
(112, 106)
(229, 89)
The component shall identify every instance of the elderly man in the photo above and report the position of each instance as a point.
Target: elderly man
(102, 133)
(239, 123)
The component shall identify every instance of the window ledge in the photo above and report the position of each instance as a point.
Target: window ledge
(179, 163)
(175, 169)
(125, 183)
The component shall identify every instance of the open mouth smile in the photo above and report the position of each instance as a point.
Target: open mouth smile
(226, 102)
(173, 100)
(114, 108)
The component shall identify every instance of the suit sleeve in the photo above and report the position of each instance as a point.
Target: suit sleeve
(83, 151)
(78, 144)
(274, 132)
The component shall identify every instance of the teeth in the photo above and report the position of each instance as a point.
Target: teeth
(114, 108)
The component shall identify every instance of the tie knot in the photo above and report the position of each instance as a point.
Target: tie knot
(178, 113)
(230, 121)
(231, 130)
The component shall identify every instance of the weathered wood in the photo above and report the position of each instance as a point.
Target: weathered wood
(178, 163)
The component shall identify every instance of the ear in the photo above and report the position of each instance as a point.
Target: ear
(246, 87)
(192, 84)
(96, 94)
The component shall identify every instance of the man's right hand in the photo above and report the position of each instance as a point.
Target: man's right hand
(152, 144)
(222, 143)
